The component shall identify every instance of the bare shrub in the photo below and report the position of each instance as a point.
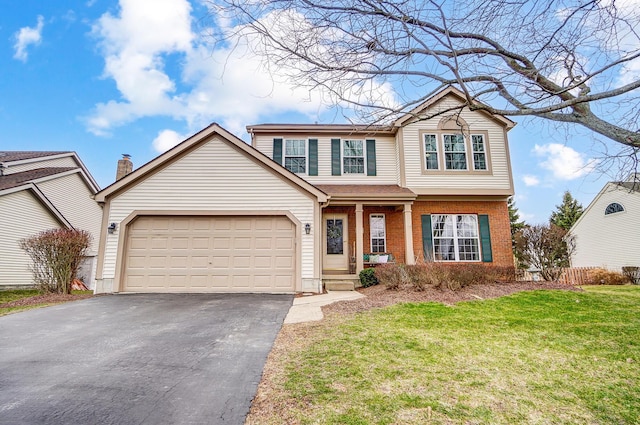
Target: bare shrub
(56, 255)
(392, 276)
(546, 248)
(606, 277)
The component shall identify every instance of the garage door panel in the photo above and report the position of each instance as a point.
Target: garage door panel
(210, 254)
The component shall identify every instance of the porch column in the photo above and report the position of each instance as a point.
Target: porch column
(408, 235)
(359, 239)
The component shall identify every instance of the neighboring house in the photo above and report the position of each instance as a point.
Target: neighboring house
(309, 204)
(40, 191)
(607, 233)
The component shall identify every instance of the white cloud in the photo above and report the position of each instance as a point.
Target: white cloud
(229, 84)
(166, 139)
(530, 180)
(27, 36)
(564, 162)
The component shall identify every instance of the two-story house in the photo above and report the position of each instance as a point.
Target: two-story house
(41, 191)
(306, 204)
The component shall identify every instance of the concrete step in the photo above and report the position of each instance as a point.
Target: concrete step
(339, 285)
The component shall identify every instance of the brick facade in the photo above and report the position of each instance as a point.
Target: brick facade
(499, 224)
(496, 210)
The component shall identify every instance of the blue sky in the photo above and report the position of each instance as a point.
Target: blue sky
(107, 77)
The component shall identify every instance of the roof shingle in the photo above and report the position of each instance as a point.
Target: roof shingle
(8, 156)
(18, 179)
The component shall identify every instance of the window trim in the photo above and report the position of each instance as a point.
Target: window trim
(306, 155)
(473, 152)
(455, 238)
(614, 212)
(384, 238)
(471, 170)
(343, 157)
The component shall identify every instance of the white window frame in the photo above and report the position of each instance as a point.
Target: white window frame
(384, 232)
(306, 155)
(459, 236)
(445, 152)
(483, 152)
(344, 156)
(426, 152)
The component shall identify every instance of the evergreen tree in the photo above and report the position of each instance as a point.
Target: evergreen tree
(514, 218)
(567, 213)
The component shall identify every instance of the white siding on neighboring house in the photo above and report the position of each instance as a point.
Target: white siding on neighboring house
(22, 216)
(213, 177)
(66, 161)
(470, 181)
(386, 157)
(611, 241)
(73, 199)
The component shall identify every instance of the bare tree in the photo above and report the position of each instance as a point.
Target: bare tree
(546, 248)
(569, 61)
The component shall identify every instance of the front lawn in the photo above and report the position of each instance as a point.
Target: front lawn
(15, 300)
(541, 357)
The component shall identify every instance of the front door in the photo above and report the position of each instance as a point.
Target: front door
(336, 243)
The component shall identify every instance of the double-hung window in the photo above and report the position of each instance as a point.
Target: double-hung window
(353, 156)
(378, 233)
(431, 152)
(455, 153)
(479, 152)
(295, 155)
(455, 237)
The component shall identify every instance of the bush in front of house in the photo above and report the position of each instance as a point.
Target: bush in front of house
(606, 277)
(391, 275)
(424, 276)
(56, 255)
(368, 277)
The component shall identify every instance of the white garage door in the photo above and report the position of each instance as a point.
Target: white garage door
(210, 254)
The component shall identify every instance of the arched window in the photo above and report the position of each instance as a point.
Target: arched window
(612, 208)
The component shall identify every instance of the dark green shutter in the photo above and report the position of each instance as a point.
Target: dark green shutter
(427, 237)
(313, 157)
(485, 238)
(277, 151)
(335, 157)
(371, 157)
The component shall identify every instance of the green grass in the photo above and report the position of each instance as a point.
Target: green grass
(542, 357)
(16, 294)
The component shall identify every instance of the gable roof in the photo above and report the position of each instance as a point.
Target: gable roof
(628, 187)
(367, 191)
(10, 156)
(449, 91)
(17, 179)
(25, 157)
(199, 138)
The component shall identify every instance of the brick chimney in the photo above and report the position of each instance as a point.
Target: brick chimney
(125, 166)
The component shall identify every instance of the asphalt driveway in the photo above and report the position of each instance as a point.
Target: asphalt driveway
(137, 359)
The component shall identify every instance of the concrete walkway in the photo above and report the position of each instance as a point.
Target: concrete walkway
(307, 309)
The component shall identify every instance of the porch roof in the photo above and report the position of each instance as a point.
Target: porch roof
(367, 192)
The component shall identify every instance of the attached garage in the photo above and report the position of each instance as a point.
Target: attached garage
(210, 215)
(210, 254)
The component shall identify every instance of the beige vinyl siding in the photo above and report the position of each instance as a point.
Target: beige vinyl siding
(22, 216)
(386, 169)
(213, 177)
(498, 160)
(73, 199)
(66, 161)
(611, 241)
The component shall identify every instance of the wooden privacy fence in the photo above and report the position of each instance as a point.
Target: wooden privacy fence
(575, 275)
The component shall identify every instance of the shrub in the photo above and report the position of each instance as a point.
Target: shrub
(368, 277)
(606, 277)
(422, 277)
(56, 255)
(633, 273)
(391, 275)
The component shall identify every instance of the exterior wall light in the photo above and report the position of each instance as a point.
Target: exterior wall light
(307, 228)
(112, 228)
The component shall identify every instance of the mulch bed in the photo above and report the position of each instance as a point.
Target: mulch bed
(45, 299)
(379, 296)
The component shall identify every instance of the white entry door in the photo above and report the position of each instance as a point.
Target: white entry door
(336, 242)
